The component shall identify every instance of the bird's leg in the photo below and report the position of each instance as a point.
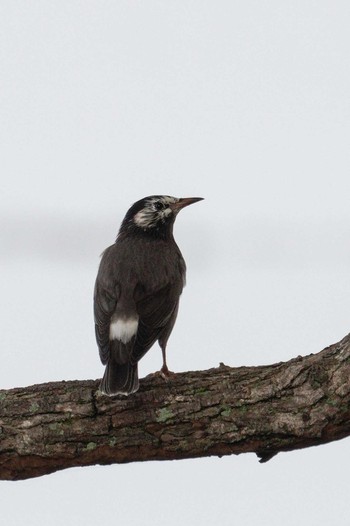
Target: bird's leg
(164, 372)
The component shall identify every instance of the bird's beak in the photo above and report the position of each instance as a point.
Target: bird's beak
(185, 201)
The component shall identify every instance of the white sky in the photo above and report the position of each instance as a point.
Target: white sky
(245, 103)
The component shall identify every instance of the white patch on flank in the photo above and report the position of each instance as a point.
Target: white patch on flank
(123, 330)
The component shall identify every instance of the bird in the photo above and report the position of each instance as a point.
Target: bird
(137, 291)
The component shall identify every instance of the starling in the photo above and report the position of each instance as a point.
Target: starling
(137, 290)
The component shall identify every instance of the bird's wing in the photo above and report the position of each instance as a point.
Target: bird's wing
(155, 311)
(104, 305)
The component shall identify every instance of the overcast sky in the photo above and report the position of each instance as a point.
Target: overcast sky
(245, 103)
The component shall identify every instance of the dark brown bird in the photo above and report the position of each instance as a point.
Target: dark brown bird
(137, 290)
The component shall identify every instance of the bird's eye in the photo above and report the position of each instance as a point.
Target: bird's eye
(159, 205)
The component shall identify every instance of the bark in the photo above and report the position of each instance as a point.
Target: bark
(222, 411)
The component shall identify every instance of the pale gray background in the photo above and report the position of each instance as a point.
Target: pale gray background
(245, 103)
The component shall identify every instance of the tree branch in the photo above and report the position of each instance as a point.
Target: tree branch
(222, 411)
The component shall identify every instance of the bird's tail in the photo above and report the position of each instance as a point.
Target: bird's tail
(119, 379)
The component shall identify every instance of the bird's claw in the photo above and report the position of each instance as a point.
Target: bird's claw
(165, 373)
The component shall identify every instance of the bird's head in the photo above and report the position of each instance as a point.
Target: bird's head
(155, 215)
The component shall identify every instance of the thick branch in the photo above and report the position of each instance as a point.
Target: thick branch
(222, 411)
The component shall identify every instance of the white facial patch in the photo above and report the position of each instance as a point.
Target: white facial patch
(123, 329)
(166, 212)
(151, 214)
(145, 218)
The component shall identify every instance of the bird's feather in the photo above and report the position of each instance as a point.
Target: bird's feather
(137, 290)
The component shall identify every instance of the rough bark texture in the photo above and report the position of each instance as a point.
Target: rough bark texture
(222, 411)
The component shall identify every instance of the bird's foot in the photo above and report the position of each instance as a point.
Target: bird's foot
(165, 373)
